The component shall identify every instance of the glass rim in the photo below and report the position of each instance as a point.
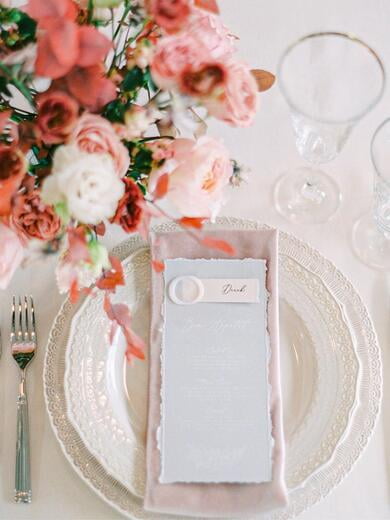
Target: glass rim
(376, 133)
(348, 36)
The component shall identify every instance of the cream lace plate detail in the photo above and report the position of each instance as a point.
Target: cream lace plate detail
(330, 362)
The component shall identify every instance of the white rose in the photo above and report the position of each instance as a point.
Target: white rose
(87, 182)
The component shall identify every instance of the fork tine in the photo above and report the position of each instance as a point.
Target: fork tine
(20, 331)
(13, 320)
(26, 323)
(33, 332)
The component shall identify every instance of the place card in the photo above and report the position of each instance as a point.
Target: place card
(215, 418)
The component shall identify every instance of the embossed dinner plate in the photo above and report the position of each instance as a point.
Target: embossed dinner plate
(331, 375)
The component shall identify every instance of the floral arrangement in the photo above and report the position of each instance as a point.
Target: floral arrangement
(102, 120)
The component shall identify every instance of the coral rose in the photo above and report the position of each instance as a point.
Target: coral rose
(13, 166)
(94, 134)
(34, 219)
(57, 115)
(171, 15)
(11, 254)
(237, 104)
(129, 212)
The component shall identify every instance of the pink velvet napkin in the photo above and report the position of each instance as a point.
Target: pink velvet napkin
(215, 500)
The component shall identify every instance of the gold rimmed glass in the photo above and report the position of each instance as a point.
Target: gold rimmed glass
(330, 80)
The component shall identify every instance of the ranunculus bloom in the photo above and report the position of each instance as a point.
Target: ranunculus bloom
(198, 173)
(94, 134)
(129, 212)
(86, 182)
(11, 254)
(171, 15)
(57, 114)
(13, 166)
(237, 104)
(34, 219)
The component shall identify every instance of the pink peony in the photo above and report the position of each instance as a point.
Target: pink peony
(94, 134)
(11, 254)
(198, 173)
(237, 104)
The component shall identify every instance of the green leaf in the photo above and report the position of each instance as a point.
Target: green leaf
(61, 208)
(134, 79)
(151, 84)
(115, 111)
(27, 27)
(143, 160)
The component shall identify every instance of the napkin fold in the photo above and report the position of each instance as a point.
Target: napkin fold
(214, 500)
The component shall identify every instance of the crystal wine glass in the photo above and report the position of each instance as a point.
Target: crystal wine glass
(330, 80)
(371, 232)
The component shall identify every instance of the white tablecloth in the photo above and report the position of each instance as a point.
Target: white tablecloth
(265, 28)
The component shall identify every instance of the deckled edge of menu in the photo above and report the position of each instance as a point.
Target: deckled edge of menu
(159, 431)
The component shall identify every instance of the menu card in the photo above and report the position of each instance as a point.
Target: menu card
(215, 414)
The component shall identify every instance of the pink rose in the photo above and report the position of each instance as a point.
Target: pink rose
(237, 104)
(94, 134)
(209, 30)
(11, 254)
(206, 41)
(173, 54)
(202, 81)
(171, 15)
(198, 173)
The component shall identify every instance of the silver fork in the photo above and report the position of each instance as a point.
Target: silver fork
(23, 346)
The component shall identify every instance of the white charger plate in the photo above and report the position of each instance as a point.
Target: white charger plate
(330, 366)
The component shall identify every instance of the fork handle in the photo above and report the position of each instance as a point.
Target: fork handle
(22, 466)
